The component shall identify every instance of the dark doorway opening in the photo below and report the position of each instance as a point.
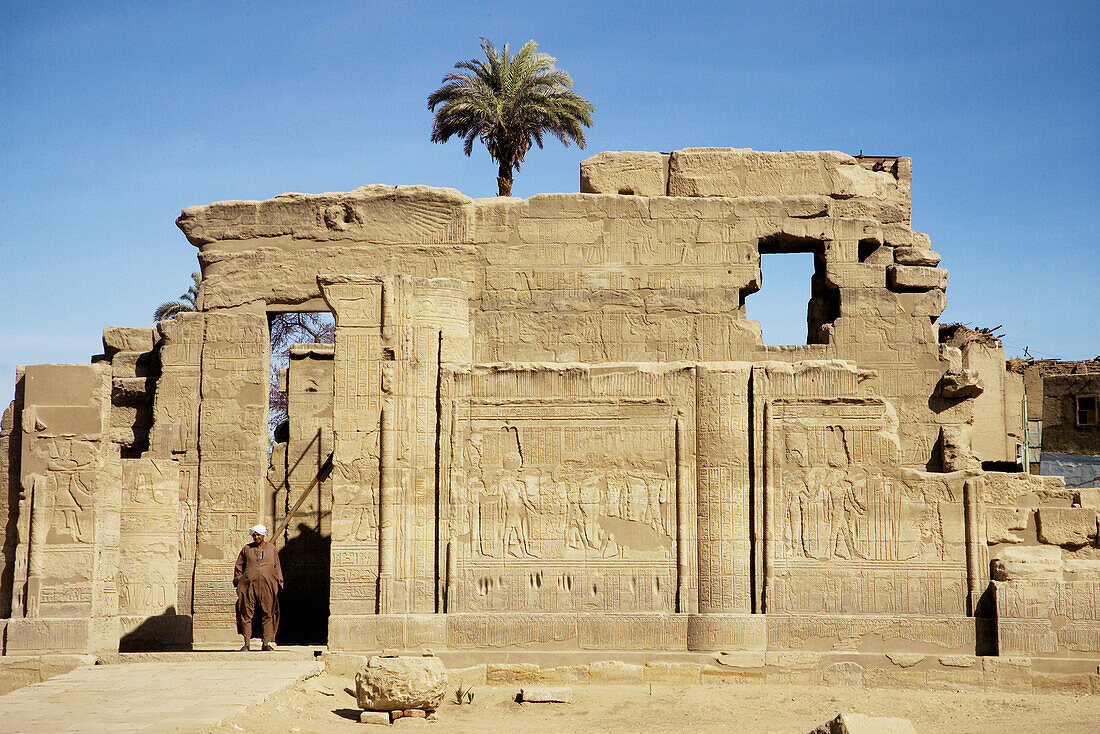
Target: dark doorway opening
(299, 490)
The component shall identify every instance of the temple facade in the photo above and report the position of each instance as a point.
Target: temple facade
(548, 424)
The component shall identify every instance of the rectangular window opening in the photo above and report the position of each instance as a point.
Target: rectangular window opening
(1086, 410)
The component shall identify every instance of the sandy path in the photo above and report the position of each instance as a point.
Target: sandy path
(325, 704)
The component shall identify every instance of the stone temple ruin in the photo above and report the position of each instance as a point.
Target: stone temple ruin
(548, 424)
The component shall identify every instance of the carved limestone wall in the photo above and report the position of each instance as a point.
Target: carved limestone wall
(552, 423)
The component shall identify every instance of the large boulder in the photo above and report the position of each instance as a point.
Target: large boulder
(401, 682)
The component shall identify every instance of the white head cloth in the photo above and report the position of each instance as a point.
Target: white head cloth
(261, 529)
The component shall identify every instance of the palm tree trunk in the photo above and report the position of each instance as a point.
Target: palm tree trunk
(504, 179)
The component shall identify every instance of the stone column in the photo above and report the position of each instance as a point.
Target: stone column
(175, 434)
(392, 332)
(724, 461)
(233, 461)
(149, 554)
(357, 446)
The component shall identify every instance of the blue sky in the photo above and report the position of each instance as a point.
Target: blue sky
(114, 116)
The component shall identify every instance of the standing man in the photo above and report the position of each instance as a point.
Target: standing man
(258, 578)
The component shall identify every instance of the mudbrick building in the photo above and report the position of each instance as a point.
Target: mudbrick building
(551, 425)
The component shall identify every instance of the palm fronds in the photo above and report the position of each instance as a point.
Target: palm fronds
(509, 102)
(187, 302)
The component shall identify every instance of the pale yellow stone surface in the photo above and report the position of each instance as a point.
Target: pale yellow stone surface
(552, 425)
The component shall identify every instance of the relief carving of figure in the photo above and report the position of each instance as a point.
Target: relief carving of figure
(69, 463)
(845, 496)
(822, 511)
(583, 510)
(517, 491)
(468, 486)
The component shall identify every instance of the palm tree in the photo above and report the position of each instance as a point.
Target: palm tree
(507, 102)
(187, 302)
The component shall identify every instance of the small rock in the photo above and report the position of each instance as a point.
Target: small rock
(414, 714)
(374, 717)
(863, 724)
(546, 694)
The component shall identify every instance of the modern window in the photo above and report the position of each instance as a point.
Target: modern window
(1086, 410)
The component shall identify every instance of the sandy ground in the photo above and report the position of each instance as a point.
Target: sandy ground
(327, 704)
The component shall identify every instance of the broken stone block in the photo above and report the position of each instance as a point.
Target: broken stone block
(1007, 672)
(546, 694)
(904, 659)
(1072, 527)
(1027, 563)
(658, 672)
(614, 671)
(916, 277)
(1002, 522)
(742, 659)
(929, 304)
(128, 339)
(132, 364)
(129, 390)
(793, 659)
(916, 256)
(955, 443)
(1089, 497)
(564, 674)
(863, 724)
(843, 674)
(745, 172)
(374, 717)
(625, 172)
(961, 384)
(403, 682)
(513, 673)
(958, 661)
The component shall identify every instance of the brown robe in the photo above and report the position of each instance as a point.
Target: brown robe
(258, 578)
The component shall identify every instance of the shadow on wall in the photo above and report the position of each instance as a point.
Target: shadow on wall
(161, 633)
(303, 602)
(11, 528)
(985, 621)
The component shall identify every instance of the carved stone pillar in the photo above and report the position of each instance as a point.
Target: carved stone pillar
(175, 433)
(391, 334)
(233, 461)
(72, 478)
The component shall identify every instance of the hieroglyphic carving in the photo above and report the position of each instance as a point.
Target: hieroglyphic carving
(69, 536)
(566, 503)
(148, 550)
(175, 431)
(232, 460)
(356, 478)
(724, 464)
(838, 510)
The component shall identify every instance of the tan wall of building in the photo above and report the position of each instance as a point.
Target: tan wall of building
(554, 427)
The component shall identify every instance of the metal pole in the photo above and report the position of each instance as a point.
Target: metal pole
(1027, 437)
